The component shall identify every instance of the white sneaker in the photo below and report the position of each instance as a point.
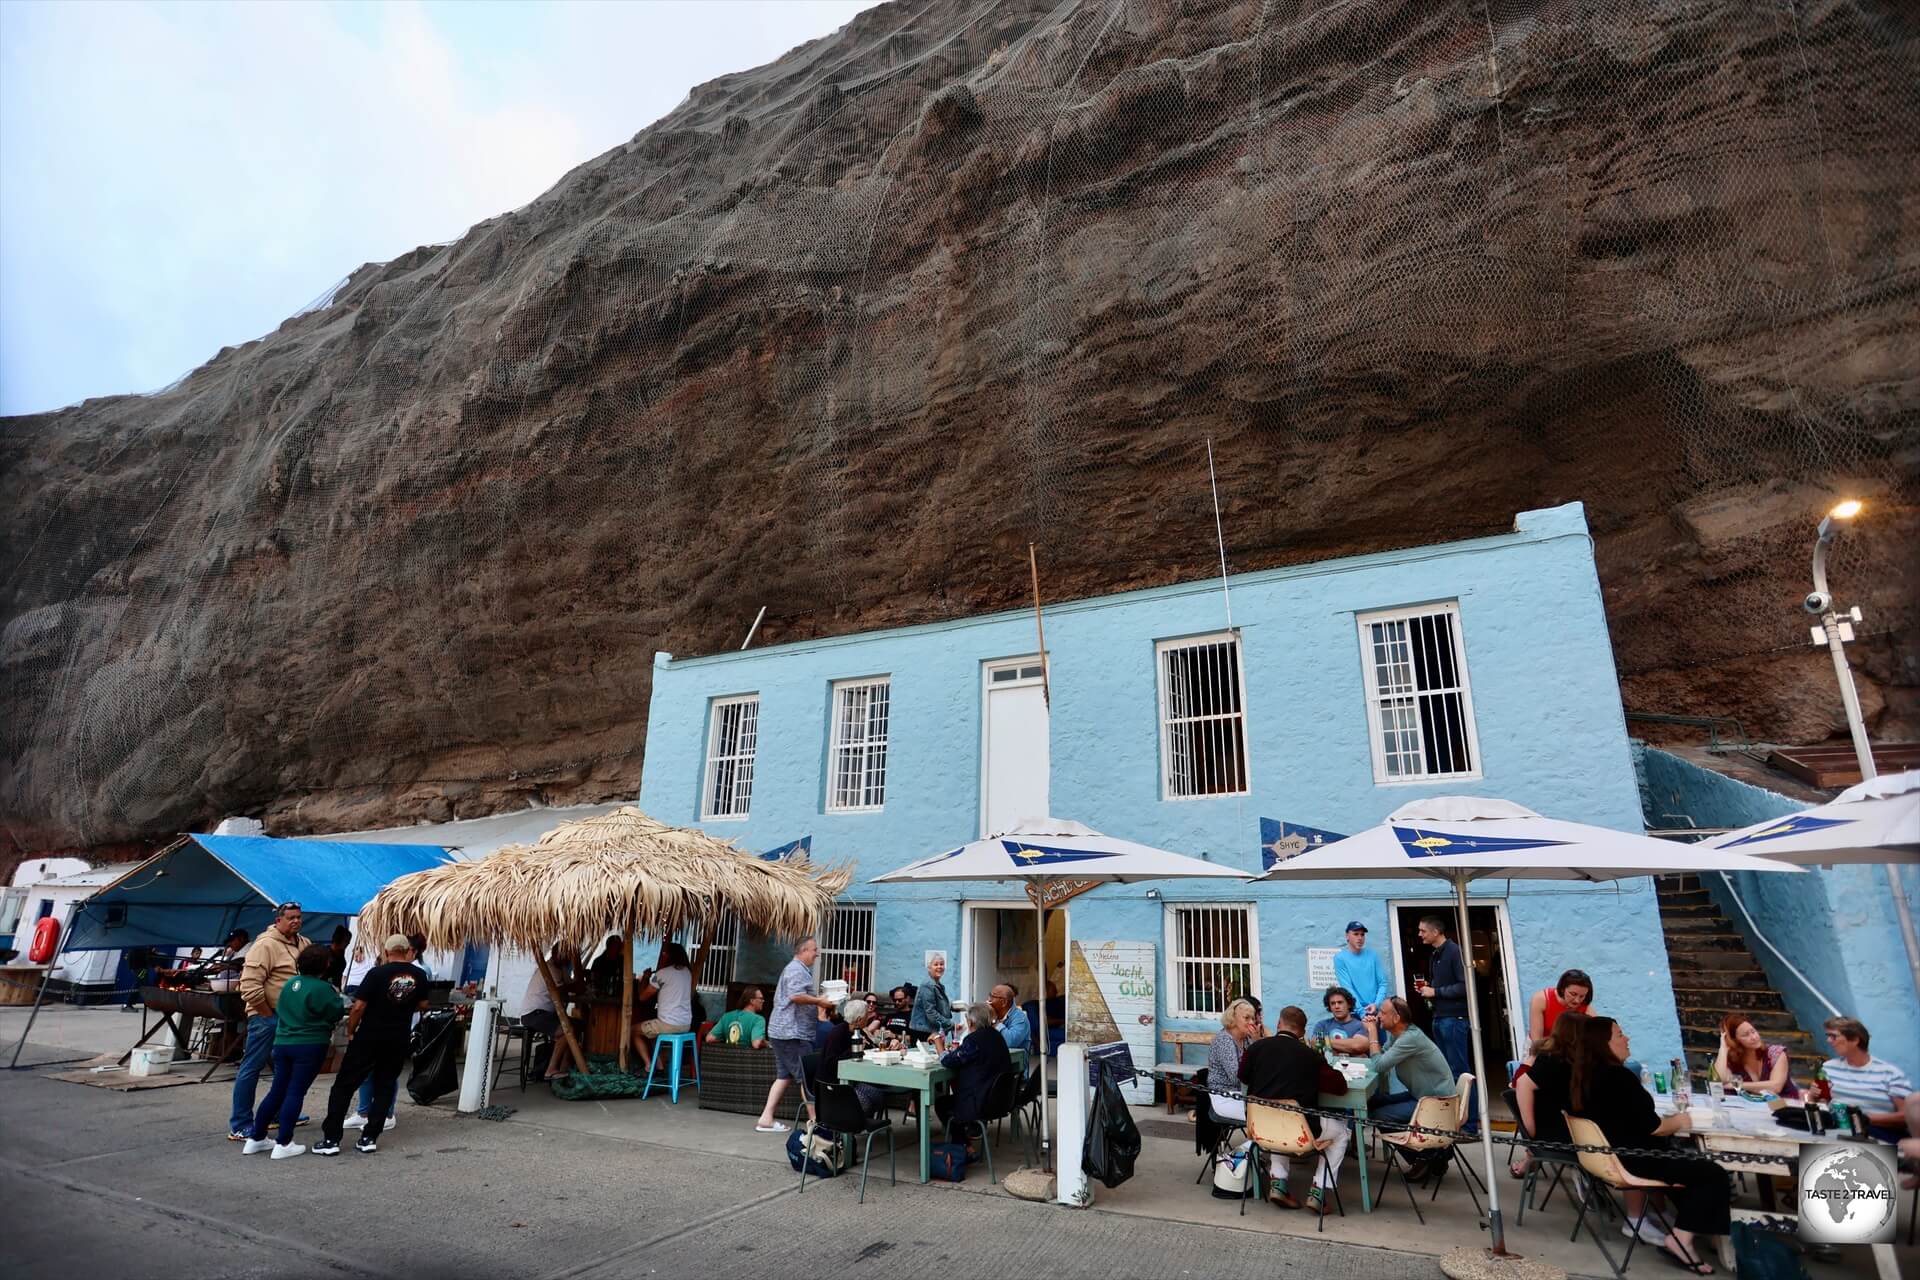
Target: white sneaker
(391, 1121)
(1649, 1233)
(289, 1151)
(357, 1121)
(256, 1145)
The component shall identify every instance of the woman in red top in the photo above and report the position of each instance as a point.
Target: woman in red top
(1745, 1057)
(1574, 991)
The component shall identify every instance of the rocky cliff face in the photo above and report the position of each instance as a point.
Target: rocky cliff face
(842, 334)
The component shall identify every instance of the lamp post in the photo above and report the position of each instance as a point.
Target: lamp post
(1834, 631)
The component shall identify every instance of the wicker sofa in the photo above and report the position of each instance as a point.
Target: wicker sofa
(734, 1077)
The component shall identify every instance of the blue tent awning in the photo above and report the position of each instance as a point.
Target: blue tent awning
(202, 888)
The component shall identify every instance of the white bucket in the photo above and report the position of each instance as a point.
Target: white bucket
(153, 1060)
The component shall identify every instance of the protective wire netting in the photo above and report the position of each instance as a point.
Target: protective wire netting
(842, 335)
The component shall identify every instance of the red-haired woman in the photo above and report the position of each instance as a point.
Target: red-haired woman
(1745, 1057)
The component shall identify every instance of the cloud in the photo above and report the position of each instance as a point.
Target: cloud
(179, 178)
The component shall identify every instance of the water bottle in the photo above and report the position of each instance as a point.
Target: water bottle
(1646, 1081)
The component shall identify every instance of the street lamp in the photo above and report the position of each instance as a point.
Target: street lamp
(1834, 631)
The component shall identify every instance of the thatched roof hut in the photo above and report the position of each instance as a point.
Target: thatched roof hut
(621, 872)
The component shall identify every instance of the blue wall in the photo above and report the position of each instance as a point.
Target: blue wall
(1546, 704)
(1838, 927)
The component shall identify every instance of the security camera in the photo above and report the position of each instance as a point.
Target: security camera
(1817, 603)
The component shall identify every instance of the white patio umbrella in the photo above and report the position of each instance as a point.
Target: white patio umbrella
(1041, 851)
(1462, 838)
(1873, 821)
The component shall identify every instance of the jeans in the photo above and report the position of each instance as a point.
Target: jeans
(294, 1067)
(376, 1061)
(365, 1104)
(260, 1029)
(1455, 1037)
(1393, 1109)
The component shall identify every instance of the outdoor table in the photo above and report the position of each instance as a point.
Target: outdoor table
(1749, 1129)
(915, 1080)
(1354, 1102)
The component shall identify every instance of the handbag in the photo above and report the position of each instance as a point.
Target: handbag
(947, 1161)
(803, 1148)
(1230, 1173)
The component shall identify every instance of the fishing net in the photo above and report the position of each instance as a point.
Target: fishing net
(840, 336)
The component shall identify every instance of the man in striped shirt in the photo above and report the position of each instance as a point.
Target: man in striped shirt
(1859, 1079)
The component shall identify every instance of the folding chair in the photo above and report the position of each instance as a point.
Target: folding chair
(1604, 1176)
(1279, 1130)
(1542, 1160)
(1428, 1113)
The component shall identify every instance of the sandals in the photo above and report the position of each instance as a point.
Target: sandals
(1695, 1268)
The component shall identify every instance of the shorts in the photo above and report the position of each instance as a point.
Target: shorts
(655, 1027)
(788, 1056)
(541, 1022)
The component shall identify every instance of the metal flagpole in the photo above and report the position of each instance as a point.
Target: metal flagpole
(1040, 968)
(1479, 1070)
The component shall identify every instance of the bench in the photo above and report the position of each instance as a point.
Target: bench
(1180, 1066)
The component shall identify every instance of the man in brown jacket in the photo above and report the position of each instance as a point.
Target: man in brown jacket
(270, 962)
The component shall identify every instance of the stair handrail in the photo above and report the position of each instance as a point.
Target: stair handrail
(1833, 1010)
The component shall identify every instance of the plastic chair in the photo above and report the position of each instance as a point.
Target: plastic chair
(841, 1112)
(1543, 1158)
(1279, 1130)
(999, 1105)
(1429, 1113)
(1463, 1104)
(1605, 1175)
(1224, 1129)
(682, 1041)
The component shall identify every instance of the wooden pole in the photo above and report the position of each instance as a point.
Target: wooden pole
(626, 1001)
(560, 1009)
(700, 958)
(1046, 684)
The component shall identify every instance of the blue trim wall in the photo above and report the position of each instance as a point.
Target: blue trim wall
(1838, 927)
(1546, 705)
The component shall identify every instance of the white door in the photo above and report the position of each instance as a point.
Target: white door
(1014, 756)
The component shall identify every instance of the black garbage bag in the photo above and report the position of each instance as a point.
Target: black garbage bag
(436, 1046)
(1113, 1140)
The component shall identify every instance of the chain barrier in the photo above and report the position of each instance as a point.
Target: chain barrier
(1536, 1146)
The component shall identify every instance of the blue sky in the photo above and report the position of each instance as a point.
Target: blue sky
(175, 178)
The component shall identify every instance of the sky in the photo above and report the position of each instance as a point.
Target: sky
(175, 178)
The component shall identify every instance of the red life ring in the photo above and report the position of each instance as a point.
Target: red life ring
(46, 940)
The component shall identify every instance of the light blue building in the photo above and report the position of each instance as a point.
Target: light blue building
(1346, 689)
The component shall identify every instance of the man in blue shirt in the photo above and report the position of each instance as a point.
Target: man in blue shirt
(1009, 1019)
(1358, 970)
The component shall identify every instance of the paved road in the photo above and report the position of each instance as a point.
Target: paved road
(97, 1184)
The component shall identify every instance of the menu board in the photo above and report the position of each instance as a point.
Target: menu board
(1112, 997)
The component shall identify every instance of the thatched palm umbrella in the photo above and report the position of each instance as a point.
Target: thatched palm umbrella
(621, 872)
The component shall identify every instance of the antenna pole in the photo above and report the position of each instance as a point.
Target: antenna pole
(754, 630)
(1219, 534)
(1046, 684)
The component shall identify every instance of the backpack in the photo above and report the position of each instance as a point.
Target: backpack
(947, 1161)
(1230, 1174)
(824, 1155)
(1759, 1255)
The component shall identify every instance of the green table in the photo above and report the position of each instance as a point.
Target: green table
(1354, 1103)
(920, 1081)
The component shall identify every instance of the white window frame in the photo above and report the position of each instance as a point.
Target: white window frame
(1376, 728)
(1167, 752)
(1002, 673)
(722, 956)
(829, 961)
(742, 761)
(838, 743)
(1175, 990)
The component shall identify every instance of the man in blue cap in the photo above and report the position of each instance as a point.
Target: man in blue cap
(1358, 970)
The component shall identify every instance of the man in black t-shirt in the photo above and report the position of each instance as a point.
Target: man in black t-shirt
(380, 1025)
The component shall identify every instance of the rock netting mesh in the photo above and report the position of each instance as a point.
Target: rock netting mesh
(842, 334)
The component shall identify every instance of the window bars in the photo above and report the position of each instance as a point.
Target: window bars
(1203, 728)
(847, 940)
(1418, 701)
(858, 774)
(1213, 958)
(730, 750)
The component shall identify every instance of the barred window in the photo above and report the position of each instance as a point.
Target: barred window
(847, 940)
(1213, 958)
(731, 744)
(1419, 705)
(1203, 724)
(718, 969)
(857, 764)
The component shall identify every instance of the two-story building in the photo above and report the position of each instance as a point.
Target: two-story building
(1342, 690)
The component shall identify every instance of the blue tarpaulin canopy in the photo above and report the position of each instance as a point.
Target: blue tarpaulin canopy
(199, 890)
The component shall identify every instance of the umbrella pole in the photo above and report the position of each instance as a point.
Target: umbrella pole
(560, 1009)
(1479, 1072)
(1040, 1047)
(626, 1001)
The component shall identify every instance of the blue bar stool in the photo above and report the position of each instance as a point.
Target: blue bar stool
(682, 1041)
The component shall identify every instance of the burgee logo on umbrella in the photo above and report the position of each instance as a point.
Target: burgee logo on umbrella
(1794, 826)
(1422, 843)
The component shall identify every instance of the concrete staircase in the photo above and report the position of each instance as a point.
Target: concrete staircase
(1714, 973)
